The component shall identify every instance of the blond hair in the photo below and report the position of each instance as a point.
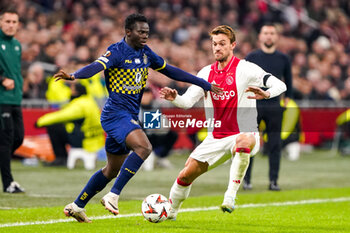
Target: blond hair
(226, 30)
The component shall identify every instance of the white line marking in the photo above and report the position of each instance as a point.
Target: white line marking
(252, 205)
(47, 195)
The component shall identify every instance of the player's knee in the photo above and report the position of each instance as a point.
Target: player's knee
(245, 141)
(143, 150)
(184, 179)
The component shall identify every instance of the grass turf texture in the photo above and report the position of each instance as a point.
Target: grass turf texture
(314, 176)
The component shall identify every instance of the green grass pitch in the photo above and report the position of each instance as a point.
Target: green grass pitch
(315, 197)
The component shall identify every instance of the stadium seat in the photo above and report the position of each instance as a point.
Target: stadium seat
(89, 158)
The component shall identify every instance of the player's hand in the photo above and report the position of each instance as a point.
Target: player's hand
(63, 75)
(216, 89)
(168, 93)
(259, 93)
(8, 83)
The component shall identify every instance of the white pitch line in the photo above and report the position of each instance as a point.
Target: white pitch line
(252, 205)
(47, 195)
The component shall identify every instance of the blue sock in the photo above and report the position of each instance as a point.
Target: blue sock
(129, 168)
(96, 183)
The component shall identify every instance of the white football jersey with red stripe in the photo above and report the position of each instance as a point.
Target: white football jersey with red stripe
(233, 109)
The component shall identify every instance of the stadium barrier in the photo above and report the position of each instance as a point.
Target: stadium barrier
(317, 123)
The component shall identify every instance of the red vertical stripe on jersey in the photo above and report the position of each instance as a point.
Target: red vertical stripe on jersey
(225, 106)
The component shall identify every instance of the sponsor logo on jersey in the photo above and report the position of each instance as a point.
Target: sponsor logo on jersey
(225, 96)
(132, 88)
(128, 61)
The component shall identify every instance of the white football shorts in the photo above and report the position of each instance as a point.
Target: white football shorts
(217, 151)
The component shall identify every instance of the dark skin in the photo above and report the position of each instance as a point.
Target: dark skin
(136, 140)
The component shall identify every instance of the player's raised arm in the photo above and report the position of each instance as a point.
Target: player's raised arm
(180, 75)
(83, 73)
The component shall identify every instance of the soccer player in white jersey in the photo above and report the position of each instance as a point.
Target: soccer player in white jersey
(236, 109)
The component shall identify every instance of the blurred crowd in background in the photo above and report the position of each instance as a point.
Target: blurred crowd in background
(70, 34)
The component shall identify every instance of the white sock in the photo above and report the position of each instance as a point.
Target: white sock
(148, 164)
(238, 169)
(178, 194)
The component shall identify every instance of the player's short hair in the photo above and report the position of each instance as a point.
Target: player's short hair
(10, 9)
(132, 19)
(226, 30)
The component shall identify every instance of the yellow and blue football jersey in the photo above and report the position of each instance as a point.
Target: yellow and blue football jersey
(126, 73)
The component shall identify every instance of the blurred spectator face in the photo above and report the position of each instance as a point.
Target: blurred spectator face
(83, 54)
(323, 86)
(335, 72)
(313, 61)
(36, 73)
(268, 36)
(347, 85)
(61, 60)
(9, 23)
(300, 59)
(222, 47)
(314, 76)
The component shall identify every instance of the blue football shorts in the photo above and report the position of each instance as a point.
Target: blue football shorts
(118, 126)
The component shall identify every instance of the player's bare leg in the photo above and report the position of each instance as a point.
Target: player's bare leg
(244, 144)
(182, 185)
(111, 170)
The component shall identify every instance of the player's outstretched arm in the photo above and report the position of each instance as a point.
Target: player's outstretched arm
(187, 100)
(180, 75)
(63, 75)
(85, 72)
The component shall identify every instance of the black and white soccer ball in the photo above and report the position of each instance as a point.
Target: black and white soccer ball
(156, 208)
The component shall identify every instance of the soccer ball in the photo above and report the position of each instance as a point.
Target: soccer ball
(156, 208)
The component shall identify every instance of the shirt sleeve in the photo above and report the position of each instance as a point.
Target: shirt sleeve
(256, 76)
(111, 57)
(157, 62)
